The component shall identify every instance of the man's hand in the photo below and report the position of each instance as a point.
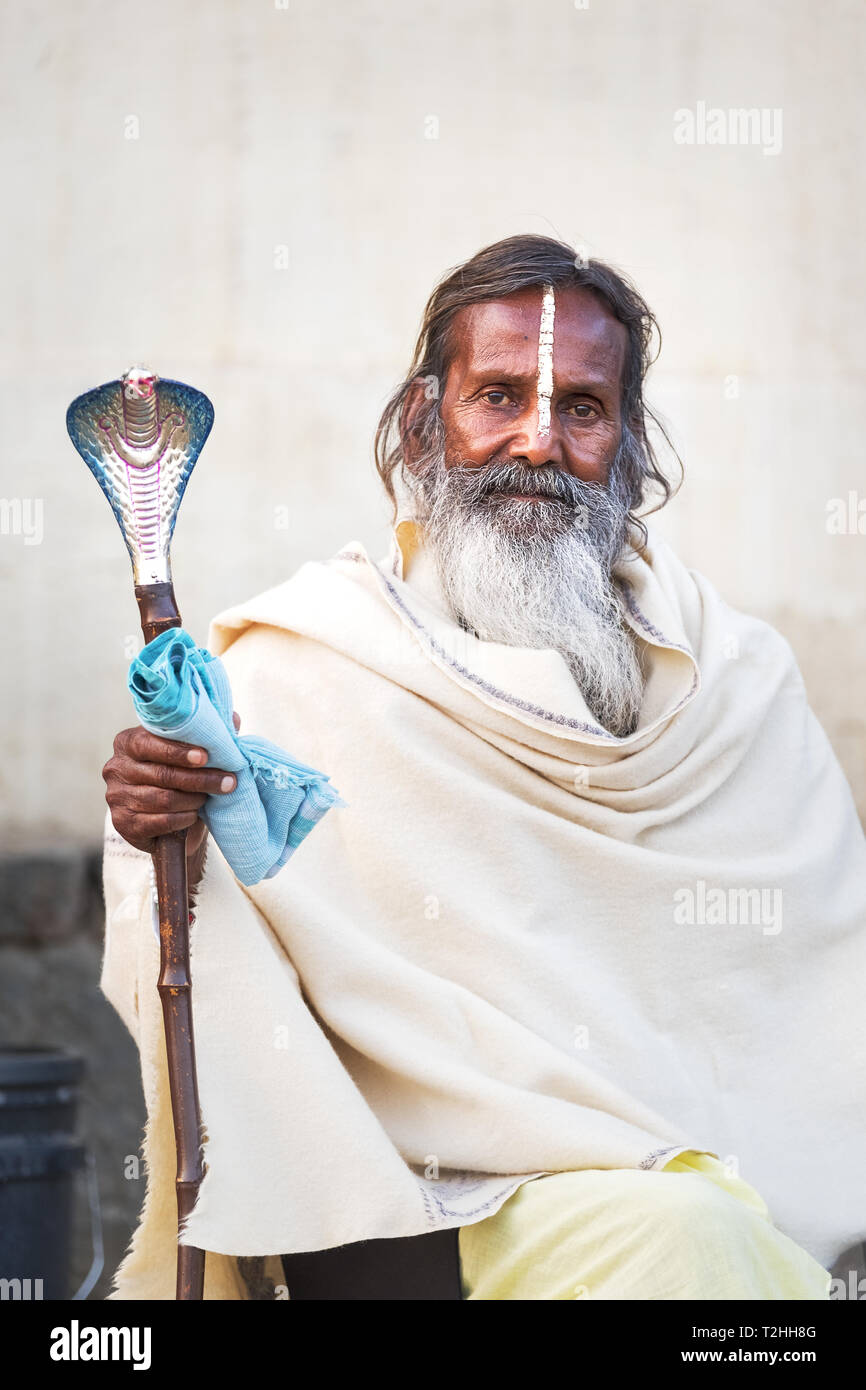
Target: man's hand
(155, 785)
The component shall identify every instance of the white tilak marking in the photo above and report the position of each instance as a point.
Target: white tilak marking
(545, 360)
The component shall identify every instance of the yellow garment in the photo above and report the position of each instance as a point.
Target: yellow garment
(688, 1230)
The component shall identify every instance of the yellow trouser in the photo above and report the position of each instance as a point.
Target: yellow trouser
(687, 1231)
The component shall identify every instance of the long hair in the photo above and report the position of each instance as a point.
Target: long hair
(503, 268)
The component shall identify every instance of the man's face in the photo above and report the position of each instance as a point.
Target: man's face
(489, 404)
(522, 488)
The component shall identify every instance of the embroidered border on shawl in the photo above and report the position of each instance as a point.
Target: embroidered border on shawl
(537, 710)
(486, 686)
(437, 1209)
(631, 604)
(652, 1158)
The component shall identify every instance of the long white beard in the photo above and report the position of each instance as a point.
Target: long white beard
(536, 574)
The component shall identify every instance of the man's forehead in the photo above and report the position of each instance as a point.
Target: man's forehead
(505, 332)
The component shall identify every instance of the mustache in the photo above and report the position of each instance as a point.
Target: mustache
(476, 484)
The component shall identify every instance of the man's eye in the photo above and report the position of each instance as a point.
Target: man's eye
(496, 397)
(584, 409)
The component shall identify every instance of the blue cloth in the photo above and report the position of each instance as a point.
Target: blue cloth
(181, 691)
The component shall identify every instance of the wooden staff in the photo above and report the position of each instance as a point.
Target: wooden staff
(140, 437)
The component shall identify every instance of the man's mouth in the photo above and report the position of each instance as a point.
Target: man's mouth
(527, 496)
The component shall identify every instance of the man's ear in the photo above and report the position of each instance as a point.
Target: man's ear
(416, 401)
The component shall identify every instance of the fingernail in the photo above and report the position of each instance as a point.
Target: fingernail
(196, 756)
(227, 784)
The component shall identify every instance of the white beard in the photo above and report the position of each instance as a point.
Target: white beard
(536, 574)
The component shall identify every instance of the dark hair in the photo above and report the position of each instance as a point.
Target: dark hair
(503, 268)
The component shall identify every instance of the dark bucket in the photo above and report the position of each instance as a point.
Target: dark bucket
(39, 1158)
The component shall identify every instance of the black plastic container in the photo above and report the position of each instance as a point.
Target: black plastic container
(39, 1158)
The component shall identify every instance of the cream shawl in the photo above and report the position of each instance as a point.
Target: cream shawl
(524, 945)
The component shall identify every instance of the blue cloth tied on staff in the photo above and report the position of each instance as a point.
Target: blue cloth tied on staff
(181, 691)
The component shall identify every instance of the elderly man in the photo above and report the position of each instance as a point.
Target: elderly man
(581, 959)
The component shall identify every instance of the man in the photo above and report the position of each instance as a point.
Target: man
(580, 961)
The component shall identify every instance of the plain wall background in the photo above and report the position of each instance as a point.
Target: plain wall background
(308, 128)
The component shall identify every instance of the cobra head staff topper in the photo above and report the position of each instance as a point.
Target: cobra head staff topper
(140, 438)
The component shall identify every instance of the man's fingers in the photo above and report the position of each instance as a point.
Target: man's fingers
(208, 781)
(152, 788)
(236, 720)
(143, 747)
(154, 800)
(147, 827)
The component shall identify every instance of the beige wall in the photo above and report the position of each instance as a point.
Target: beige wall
(309, 128)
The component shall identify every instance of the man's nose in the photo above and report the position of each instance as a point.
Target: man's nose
(536, 444)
